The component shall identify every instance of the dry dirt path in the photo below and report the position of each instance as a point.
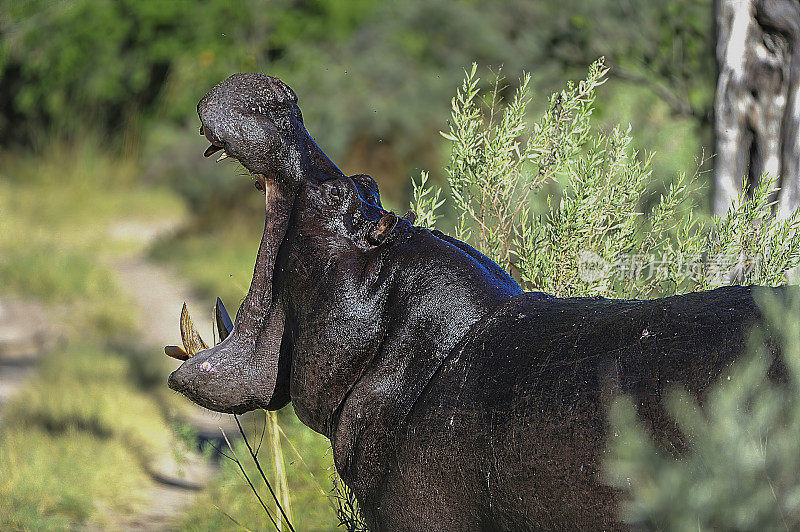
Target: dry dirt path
(25, 334)
(158, 295)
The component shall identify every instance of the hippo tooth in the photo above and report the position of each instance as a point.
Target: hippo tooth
(223, 156)
(192, 341)
(176, 352)
(212, 149)
(223, 319)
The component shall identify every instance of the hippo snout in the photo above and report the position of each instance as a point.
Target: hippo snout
(176, 381)
(179, 380)
(215, 379)
(192, 374)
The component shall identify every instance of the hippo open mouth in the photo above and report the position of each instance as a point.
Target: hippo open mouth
(255, 119)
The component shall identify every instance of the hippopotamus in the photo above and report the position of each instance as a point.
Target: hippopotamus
(453, 399)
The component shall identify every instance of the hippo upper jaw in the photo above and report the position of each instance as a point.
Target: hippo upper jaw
(255, 119)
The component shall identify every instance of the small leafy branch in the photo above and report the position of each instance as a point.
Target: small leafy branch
(427, 201)
(346, 506)
(593, 204)
(493, 172)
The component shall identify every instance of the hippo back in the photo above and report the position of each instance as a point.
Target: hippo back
(518, 408)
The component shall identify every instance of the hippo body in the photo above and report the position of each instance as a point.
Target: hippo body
(509, 432)
(453, 400)
(473, 405)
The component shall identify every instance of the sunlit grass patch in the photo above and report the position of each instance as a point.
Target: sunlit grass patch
(57, 211)
(50, 481)
(308, 482)
(45, 272)
(73, 280)
(70, 193)
(76, 442)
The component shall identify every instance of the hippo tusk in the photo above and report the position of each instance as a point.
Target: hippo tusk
(223, 319)
(176, 352)
(211, 150)
(223, 156)
(192, 341)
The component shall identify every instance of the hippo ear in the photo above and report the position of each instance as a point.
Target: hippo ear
(382, 229)
(367, 189)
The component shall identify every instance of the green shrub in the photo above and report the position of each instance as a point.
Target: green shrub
(593, 184)
(108, 65)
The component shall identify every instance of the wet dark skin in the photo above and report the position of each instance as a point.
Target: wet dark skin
(453, 399)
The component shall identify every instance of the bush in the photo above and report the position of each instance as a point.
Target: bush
(593, 183)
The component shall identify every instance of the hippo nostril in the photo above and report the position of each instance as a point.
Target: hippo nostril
(176, 382)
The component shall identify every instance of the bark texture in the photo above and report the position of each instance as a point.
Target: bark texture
(757, 105)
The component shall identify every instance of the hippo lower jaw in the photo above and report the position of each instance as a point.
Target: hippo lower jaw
(210, 380)
(241, 372)
(225, 379)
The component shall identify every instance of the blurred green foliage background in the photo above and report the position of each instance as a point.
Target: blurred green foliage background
(374, 77)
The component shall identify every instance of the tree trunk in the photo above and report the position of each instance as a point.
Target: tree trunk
(757, 107)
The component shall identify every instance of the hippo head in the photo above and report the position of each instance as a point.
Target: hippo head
(255, 119)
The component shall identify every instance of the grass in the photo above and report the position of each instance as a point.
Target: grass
(68, 198)
(308, 466)
(103, 400)
(66, 435)
(78, 438)
(61, 273)
(52, 482)
(58, 210)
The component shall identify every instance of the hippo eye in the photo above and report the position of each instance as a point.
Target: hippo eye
(334, 193)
